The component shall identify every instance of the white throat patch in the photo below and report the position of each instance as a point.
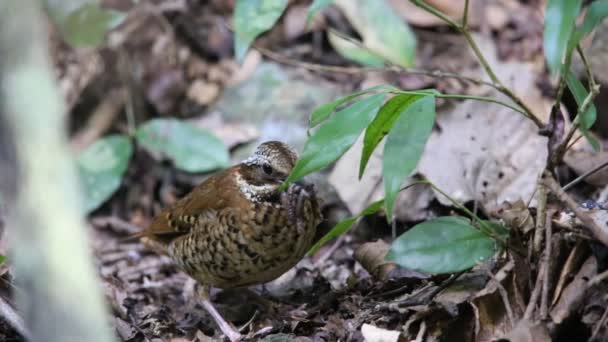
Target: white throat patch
(253, 192)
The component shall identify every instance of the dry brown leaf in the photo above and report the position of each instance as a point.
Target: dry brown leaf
(493, 154)
(371, 256)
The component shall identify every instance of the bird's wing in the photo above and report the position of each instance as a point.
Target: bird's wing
(204, 201)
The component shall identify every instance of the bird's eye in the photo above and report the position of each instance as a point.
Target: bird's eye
(267, 169)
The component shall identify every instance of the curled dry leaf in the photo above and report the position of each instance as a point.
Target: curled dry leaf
(371, 256)
(573, 294)
(517, 216)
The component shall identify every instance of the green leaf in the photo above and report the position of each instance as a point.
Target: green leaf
(560, 16)
(596, 12)
(382, 124)
(404, 146)
(322, 112)
(83, 23)
(191, 149)
(2, 259)
(336, 136)
(344, 226)
(353, 51)
(442, 245)
(586, 119)
(101, 167)
(316, 7)
(383, 32)
(252, 18)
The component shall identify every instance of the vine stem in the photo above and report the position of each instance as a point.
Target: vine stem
(462, 28)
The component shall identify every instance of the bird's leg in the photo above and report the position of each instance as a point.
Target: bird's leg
(227, 328)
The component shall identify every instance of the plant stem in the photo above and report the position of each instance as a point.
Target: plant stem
(489, 71)
(465, 15)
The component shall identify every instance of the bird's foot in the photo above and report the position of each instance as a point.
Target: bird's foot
(226, 328)
(294, 200)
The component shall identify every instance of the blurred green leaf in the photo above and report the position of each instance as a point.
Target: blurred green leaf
(345, 225)
(382, 124)
(101, 167)
(382, 30)
(191, 149)
(252, 18)
(83, 23)
(2, 259)
(354, 52)
(560, 16)
(443, 245)
(404, 146)
(316, 7)
(586, 119)
(322, 112)
(596, 12)
(335, 136)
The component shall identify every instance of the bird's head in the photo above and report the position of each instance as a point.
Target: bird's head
(266, 169)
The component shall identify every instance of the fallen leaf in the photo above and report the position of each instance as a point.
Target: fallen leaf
(375, 334)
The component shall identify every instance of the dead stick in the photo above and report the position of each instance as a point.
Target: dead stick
(598, 232)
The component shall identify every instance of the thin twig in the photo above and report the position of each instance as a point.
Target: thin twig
(535, 294)
(8, 313)
(504, 296)
(544, 299)
(280, 58)
(585, 175)
(540, 218)
(482, 59)
(465, 15)
(594, 90)
(597, 231)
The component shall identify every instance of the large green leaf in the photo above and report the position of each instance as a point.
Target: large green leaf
(382, 124)
(383, 32)
(442, 245)
(322, 112)
(560, 16)
(252, 18)
(596, 12)
(404, 146)
(335, 136)
(586, 119)
(83, 23)
(101, 167)
(345, 225)
(190, 148)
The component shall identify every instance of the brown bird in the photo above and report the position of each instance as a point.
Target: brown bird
(236, 229)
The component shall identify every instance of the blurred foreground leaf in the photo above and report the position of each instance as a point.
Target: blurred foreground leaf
(384, 34)
(101, 167)
(252, 18)
(443, 245)
(559, 23)
(83, 23)
(190, 148)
